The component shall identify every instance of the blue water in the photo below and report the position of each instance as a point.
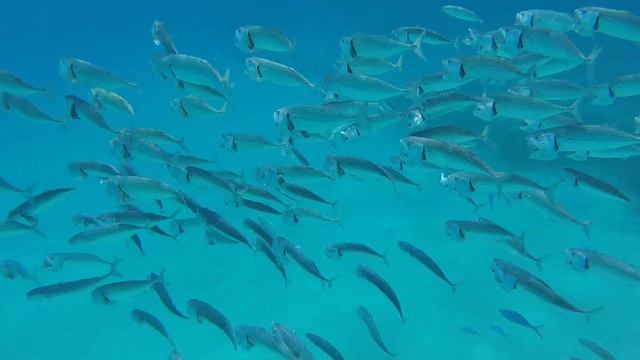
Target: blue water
(245, 286)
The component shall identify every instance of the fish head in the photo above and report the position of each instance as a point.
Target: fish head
(267, 175)
(402, 34)
(523, 90)
(587, 21)
(542, 146)
(506, 280)
(349, 133)
(486, 111)
(65, 66)
(513, 40)
(525, 18)
(252, 69)
(412, 150)
(530, 125)
(347, 47)
(453, 69)
(332, 165)
(331, 88)
(577, 259)
(454, 230)
(331, 252)
(229, 142)
(282, 120)
(487, 44)
(289, 217)
(397, 163)
(444, 179)
(471, 38)
(569, 178)
(244, 40)
(602, 95)
(415, 119)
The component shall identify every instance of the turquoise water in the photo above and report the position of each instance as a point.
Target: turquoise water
(244, 285)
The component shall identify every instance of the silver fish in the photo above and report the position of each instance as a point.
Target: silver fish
(11, 228)
(522, 107)
(584, 259)
(290, 342)
(203, 311)
(12, 269)
(579, 179)
(553, 44)
(370, 67)
(194, 70)
(108, 99)
(510, 276)
(92, 168)
(482, 228)
(77, 70)
(13, 84)
(252, 38)
(476, 67)
(106, 232)
(410, 34)
(55, 261)
(5, 186)
(446, 103)
(427, 261)
(546, 19)
(143, 317)
(435, 83)
(337, 250)
(362, 88)
(546, 204)
(553, 89)
(615, 23)
(461, 13)
(368, 320)
(303, 260)
(25, 109)
(452, 134)
(161, 37)
(67, 287)
(294, 215)
(80, 109)
(261, 69)
(192, 106)
(107, 292)
(249, 336)
(158, 136)
(602, 353)
(381, 284)
(350, 165)
(236, 141)
(378, 46)
(37, 203)
(324, 345)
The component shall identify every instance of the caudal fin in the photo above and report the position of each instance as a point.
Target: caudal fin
(398, 64)
(540, 260)
(454, 286)
(418, 47)
(537, 329)
(586, 228)
(589, 313)
(575, 111)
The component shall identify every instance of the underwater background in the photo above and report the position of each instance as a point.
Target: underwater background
(244, 285)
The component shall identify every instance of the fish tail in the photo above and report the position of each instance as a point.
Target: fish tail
(454, 286)
(589, 313)
(136, 240)
(540, 260)
(589, 62)
(223, 109)
(36, 228)
(182, 145)
(537, 329)
(575, 111)
(384, 258)
(398, 64)
(226, 77)
(418, 47)
(586, 228)
(114, 268)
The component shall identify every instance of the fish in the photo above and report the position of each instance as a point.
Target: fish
(623, 152)
(396, 176)
(302, 192)
(261, 69)
(158, 136)
(106, 232)
(546, 19)
(452, 134)
(12, 269)
(67, 287)
(303, 260)
(597, 349)
(13, 84)
(134, 217)
(251, 38)
(5, 186)
(29, 208)
(162, 38)
(478, 67)
(584, 259)
(378, 46)
(163, 294)
(370, 323)
(194, 70)
(10, 228)
(550, 90)
(108, 99)
(381, 284)
(132, 148)
(482, 228)
(203, 311)
(444, 155)
(461, 13)
(625, 86)
(369, 66)
(522, 107)
(250, 336)
(235, 142)
(215, 221)
(436, 106)
(129, 187)
(547, 123)
(592, 184)
(324, 345)
(435, 83)
(427, 261)
(263, 246)
(547, 205)
(510, 276)
(270, 174)
(362, 88)
(192, 106)
(499, 330)
(337, 250)
(305, 120)
(203, 91)
(290, 343)
(144, 317)
(25, 109)
(517, 244)
(238, 201)
(580, 139)
(80, 109)
(106, 293)
(78, 70)
(517, 318)
(248, 190)
(409, 35)
(262, 229)
(92, 168)
(470, 330)
(614, 23)
(207, 178)
(350, 165)
(293, 216)
(55, 261)
(553, 44)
